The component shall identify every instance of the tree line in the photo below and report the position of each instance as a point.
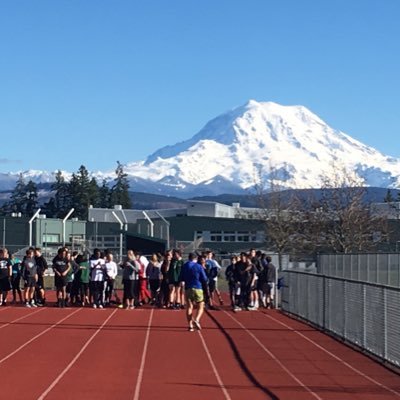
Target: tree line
(79, 193)
(338, 220)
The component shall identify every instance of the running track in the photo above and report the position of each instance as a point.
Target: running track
(147, 354)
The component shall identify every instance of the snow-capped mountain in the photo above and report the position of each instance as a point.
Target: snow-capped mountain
(228, 154)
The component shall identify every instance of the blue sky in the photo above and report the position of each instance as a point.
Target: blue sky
(91, 82)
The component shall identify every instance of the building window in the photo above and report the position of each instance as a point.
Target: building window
(227, 236)
(51, 238)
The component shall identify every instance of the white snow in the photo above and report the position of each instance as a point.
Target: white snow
(255, 137)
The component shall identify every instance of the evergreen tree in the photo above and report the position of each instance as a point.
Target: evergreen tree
(389, 197)
(120, 190)
(18, 197)
(104, 196)
(93, 193)
(59, 205)
(31, 204)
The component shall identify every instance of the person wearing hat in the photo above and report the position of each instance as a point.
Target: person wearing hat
(193, 275)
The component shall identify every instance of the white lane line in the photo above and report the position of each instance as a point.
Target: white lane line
(141, 369)
(335, 356)
(73, 361)
(303, 385)
(219, 380)
(20, 318)
(35, 337)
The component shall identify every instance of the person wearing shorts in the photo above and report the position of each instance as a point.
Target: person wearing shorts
(16, 279)
(29, 268)
(83, 276)
(5, 275)
(41, 269)
(61, 267)
(193, 275)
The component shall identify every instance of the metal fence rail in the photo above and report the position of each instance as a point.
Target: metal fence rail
(383, 268)
(362, 313)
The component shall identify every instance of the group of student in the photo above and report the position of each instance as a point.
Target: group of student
(30, 269)
(252, 281)
(90, 280)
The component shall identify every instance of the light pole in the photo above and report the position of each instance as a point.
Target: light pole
(120, 235)
(64, 221)
(30, 226)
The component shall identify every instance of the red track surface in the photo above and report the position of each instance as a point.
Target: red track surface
(74, 353)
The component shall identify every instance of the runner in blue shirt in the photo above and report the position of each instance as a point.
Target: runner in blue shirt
(193, 275)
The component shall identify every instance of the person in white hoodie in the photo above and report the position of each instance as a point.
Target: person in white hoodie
(111, 273)
(97, 277)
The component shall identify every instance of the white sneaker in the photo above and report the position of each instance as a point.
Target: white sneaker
(100, 306)
(197, 325)
(28, 305)
(94, 306)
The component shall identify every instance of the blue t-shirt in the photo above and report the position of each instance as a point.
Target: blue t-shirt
(193, 275)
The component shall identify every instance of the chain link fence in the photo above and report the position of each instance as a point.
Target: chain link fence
(364, 314)
(382, 268)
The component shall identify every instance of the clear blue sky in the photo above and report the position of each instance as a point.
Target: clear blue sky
(91, 82)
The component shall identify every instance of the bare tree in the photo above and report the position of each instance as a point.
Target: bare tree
(346, 217)
(279, 210)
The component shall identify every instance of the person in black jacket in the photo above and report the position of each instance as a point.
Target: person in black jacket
(41, 269)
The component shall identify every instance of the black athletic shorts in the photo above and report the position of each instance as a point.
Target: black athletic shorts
(60, 281)
(5, 285)
(30, 282)
(40, 282)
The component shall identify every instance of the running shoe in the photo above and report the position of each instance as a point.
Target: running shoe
(191, 329)
(197, 324)
(94, 306)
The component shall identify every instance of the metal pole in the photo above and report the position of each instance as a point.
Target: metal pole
(121, 235)
(168, 226)
(30, 226)
(64, 221)
(125, 219)
(4, 232)
(151, 223)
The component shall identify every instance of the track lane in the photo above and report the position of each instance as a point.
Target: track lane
(177, 365)
(108, 367)
(323, 374)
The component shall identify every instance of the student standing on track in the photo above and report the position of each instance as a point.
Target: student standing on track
(97, 275)
(111, 274)
(30, 276)
(83, 276)
(16, 279)
(233, 279)
(270, 272)
(174, 273)
(5, 275)
(130, 280)
(153, 272)
(194, 276)
(164, 295)
(61, 267)
(41, 269)
(213, 269)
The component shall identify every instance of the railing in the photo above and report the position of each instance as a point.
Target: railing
(364, 314)
(382, 268)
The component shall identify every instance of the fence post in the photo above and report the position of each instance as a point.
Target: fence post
(385, 338)
(364, 291)
(344, 310)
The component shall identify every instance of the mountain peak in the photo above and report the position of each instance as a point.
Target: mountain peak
(231, 151)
